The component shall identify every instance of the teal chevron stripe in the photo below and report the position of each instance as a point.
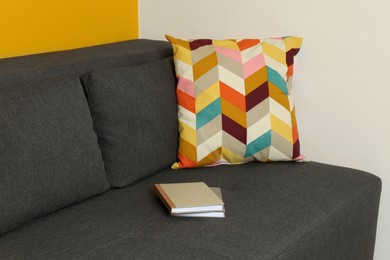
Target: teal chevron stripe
(275, 78)
(208, 113)
(258, 144)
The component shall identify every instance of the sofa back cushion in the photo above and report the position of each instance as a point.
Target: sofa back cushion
(49, 154)
(135, 117)
(79, 62)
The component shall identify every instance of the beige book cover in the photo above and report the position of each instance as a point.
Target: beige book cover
(211, 214)
(191, 197)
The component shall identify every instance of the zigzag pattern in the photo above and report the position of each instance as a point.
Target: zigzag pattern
(234, 100)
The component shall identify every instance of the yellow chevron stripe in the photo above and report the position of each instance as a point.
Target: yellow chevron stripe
(204, 65)
(187, 149)
(255, 80)
(280, 112)
(187, 133)
(211, 144)
(275, 53)
(276, 94)
(231, 156)
(233, 112)
(292, 43)
(182, 54)
(206, 97)
(178, 42)
(211, 158)
(281, 128)
(231, 44)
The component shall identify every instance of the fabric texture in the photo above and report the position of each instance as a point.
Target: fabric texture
(135, 117)
(279, 211)
(234, 100)
(49, 155)
(79, 62)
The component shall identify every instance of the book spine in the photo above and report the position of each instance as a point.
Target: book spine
(164, 198)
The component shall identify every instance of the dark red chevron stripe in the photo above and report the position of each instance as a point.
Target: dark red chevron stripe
(290, 56)
(234, 129)
(257, 96)
(199, 43)
(296, 149)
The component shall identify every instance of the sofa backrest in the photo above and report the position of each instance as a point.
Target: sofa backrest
(59, 146)
(49, 156)
(135, 117)
(81, 61)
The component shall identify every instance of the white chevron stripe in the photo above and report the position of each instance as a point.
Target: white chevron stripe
(276, 42)
(259, 128)
(206, 80)
(258, 111)
(262, 155)
(280, 112)
(186, 117)
(201, 53)
(282, 144)
(276, 155)
(251, 52)
(231, 79)
(275, 65)
(209, 129)
(184, 70)
(187, 133)
(291, 102)
(209, 146)
(233, 145)
(289, 84)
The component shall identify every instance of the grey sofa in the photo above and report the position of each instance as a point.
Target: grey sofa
(84, 135)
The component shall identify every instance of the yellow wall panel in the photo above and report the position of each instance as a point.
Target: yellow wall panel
(35, 26)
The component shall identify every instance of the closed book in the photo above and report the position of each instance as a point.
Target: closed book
(191, 197)
(211, 214)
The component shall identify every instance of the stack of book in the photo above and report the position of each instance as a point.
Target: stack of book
(192, 199)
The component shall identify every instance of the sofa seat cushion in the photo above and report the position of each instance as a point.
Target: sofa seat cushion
(134, 113)
(49, 154)
(273, 211)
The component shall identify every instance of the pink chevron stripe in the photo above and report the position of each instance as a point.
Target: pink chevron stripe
(187, 86)
(253, 65)
(234, 55)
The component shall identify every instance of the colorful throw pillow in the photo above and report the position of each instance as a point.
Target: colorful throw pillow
(234, 101)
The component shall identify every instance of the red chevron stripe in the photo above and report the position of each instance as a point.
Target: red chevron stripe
(247, 43)
(186, 100)
(184, 162)
(233, 96)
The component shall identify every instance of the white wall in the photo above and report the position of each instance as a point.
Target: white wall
(341, 76)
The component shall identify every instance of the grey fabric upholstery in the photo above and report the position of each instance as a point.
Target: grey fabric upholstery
(273, 211)
(80, 62)
(135, 116)
(49, 155)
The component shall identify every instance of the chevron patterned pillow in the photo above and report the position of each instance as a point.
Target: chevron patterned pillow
(234, 101)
